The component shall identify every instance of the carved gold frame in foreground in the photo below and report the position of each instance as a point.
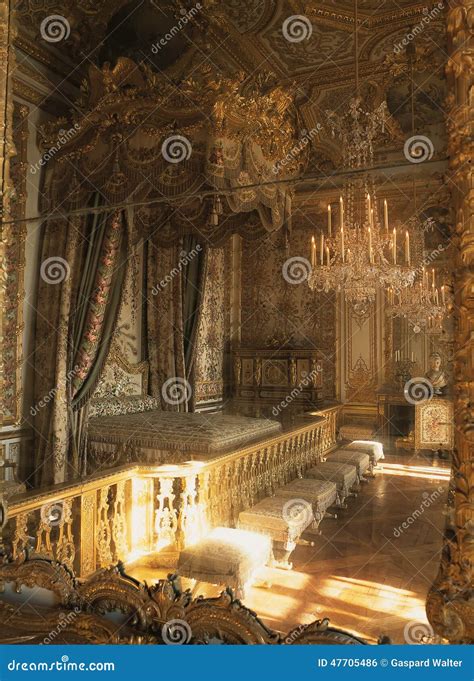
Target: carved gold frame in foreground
(85, 612)
(450, 602)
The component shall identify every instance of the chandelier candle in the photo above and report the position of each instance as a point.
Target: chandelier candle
(329, 220)
(385, 214)
(313, 252)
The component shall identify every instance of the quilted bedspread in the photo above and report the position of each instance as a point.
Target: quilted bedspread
(197, 433)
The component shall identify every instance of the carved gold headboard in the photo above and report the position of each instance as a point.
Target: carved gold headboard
(121, 378)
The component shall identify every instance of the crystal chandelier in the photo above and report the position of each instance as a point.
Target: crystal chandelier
(424, 306)
(360, 253)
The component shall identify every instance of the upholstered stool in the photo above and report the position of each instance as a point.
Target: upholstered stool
(371, 447)
(356, 432)
(358, 459)
(321, 494)
(342, 474)
(226, 556)
(282, 520)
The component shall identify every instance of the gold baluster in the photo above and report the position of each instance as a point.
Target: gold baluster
(166, 516)
(119, 523)
(104, 532)
(87, 562)
(20, 535)
(65, 551)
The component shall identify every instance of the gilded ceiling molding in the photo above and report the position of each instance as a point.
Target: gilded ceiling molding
(450, 602)
(87, 22)
(368, 17)
(35, 49)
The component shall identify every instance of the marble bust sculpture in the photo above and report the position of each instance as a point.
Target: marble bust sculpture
(436, 375)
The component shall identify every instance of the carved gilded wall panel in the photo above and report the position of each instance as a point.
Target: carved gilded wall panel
(359, 346)
(14, 239)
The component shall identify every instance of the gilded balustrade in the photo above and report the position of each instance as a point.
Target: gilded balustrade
(138, 509)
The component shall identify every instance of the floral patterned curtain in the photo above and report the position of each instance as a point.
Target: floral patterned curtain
(175, 283)
(83, 265)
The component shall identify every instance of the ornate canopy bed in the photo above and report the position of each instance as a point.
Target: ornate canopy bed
(128, 425)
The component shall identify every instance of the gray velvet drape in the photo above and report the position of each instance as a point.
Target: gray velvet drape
(76, 314)
(95, 317)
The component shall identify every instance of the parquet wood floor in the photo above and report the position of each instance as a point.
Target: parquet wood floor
(363, 573)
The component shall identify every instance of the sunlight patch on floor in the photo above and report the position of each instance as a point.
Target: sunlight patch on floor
(423, 472)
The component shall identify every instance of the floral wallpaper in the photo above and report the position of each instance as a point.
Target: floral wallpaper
(276, 311)
(213, 331)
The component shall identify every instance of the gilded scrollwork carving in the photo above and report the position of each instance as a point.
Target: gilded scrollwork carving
(146, 608)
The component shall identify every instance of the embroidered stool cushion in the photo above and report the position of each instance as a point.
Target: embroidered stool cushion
(356, 432)
(342, 474)
(358, 459)
(226, 556)
(275, 517)
(321, 494)
(371, 447)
